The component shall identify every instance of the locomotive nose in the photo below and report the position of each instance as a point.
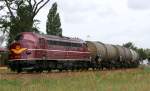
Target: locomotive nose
(16, 50)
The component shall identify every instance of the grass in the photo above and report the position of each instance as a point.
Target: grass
(116, 80)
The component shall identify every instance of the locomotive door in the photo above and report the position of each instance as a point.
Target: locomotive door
(70, 52)
(67, 54)
(43, 47)
(67, 49)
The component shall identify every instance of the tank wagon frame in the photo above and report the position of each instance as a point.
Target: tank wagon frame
(36, 52)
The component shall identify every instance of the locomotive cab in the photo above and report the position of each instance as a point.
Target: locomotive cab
(20, 48)
(19, 51)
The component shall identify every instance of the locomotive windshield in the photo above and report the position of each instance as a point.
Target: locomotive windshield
(18, 37)
(24, 37)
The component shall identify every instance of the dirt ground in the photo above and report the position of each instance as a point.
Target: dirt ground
(5, 73)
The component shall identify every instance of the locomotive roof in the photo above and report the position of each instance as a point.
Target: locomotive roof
(57, 38)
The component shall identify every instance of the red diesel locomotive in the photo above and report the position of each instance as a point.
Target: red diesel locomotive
(46, 52)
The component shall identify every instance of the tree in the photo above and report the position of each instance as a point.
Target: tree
(142, 52)
(2, 38)
(130, 45)
(53, 24)
(20, 16)
(148, 54)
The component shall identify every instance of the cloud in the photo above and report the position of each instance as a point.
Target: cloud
(84, 10)
(139, 4)
(108, 21)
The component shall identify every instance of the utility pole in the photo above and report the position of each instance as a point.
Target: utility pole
(88, 37)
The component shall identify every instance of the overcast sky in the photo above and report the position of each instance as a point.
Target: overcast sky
(108, 21)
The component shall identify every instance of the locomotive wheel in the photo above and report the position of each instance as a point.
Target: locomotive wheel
(60, 70)
(39, 70)
(30, 71)
(19, 70)
(49, 70)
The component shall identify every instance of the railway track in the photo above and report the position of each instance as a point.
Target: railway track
(6, 71)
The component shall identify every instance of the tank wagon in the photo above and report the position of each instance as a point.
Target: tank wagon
(36, 52)
(112, 56)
